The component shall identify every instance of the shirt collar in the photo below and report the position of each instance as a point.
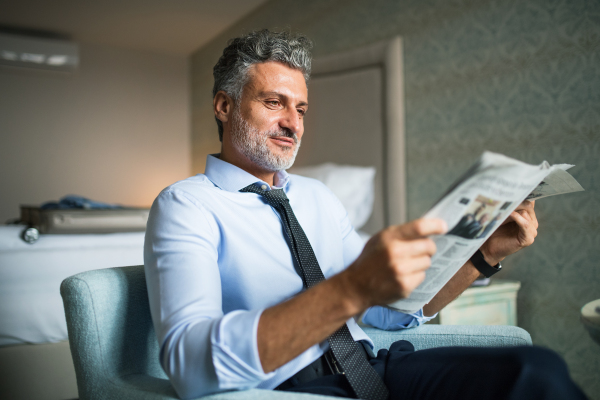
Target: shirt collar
(231, 178)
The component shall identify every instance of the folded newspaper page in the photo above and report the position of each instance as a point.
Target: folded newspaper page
(475, 206)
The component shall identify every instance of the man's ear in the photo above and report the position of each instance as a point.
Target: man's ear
(222, 106)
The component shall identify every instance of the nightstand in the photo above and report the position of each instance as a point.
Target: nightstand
(495, 304)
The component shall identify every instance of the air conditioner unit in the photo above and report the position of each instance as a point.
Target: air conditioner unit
(39, 53)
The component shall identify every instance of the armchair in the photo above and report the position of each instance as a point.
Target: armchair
(115, 350)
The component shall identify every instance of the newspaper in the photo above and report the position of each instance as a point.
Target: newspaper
(475, 206)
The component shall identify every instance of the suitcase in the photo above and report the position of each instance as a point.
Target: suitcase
(73, 221)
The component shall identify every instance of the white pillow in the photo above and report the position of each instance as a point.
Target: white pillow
(354, 186)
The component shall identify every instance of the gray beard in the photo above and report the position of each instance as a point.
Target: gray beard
(253, 144)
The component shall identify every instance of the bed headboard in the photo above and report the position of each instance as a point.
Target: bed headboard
(356, 117)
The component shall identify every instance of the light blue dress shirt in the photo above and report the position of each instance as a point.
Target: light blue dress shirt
(215, 258)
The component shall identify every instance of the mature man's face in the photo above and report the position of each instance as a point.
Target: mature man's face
(267, 124)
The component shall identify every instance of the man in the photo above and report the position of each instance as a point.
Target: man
(471, 229)
(462, 228)
(459, 229)
(236, 261)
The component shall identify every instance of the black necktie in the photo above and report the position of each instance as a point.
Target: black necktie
(367, 384)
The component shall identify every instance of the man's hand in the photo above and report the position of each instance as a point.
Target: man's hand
(517, 232)
(391, 266)
(393, 262)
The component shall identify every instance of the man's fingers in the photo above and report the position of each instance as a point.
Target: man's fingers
(528, 212)
(416, 247)
(519, 219)
(412, 282)
(412, 273)
(525, 209)
(526, 205)
(528, 228)
(415, 264)
(421, 228)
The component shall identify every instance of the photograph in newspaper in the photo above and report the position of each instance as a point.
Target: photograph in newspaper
(480, 218)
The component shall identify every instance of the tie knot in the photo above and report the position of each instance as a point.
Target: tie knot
(274, 196)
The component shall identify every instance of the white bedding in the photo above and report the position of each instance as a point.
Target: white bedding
(354, 186)
(31, 309)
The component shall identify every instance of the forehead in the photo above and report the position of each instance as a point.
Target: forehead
(273, 76)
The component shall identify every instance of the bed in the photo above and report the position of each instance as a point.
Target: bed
(35, 360)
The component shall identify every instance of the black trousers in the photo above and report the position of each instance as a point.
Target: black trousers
(461, 373)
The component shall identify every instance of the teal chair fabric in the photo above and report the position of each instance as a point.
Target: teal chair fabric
(115, 350)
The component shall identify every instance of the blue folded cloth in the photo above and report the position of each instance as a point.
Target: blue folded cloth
(78, 202)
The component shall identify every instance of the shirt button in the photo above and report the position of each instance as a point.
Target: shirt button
(264, 187)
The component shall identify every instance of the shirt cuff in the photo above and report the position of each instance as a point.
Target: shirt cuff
(391, 320)
(235, 353)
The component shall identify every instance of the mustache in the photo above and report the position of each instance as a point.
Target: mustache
(285, 132)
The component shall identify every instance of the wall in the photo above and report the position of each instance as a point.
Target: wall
(116, 130)
(518, 77)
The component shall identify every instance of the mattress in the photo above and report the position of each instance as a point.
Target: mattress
(31, 308)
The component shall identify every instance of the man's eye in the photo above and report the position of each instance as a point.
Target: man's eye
(273, 102)
(301, 112)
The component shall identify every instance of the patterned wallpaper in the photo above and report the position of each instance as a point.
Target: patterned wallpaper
(518, 77)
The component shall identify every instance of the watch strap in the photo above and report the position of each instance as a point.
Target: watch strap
(482, 266)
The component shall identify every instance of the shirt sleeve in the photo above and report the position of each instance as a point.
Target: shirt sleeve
(202, 351)
(391, 320)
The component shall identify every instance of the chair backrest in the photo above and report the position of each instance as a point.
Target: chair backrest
(110, 329)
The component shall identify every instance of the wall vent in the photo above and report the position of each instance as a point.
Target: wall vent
(38, 53)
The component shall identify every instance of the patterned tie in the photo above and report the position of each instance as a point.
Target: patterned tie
(367, 384)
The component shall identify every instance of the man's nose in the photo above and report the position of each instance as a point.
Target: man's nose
(292, 121)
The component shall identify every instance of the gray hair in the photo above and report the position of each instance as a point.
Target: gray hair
(231, 71)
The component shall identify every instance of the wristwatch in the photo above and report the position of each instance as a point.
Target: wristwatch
(482, 266)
